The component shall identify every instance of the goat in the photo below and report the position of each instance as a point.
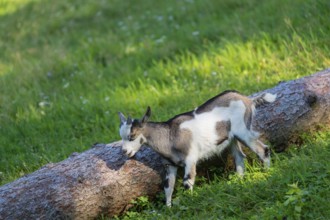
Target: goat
(223, 121)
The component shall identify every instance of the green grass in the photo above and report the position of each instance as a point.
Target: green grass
(68, 67)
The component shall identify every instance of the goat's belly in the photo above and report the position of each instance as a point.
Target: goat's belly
(207, 149)
(205, 138)
(206, 144)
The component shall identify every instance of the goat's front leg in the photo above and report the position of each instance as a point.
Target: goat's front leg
(189, 174)
(169, 183)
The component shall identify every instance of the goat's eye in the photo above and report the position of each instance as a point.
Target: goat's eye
(130, 138)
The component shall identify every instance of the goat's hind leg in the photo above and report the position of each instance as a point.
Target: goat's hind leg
(265, 155)
(237, 152)
(256, 146)
(169, 183)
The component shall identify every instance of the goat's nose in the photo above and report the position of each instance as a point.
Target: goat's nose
(124, 151)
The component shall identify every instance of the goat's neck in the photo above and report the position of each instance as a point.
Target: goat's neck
(157, 135)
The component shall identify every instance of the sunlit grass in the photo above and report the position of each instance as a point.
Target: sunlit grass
(10, 6)
(4, 69)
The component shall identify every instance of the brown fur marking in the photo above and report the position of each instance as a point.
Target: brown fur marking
(222, 128)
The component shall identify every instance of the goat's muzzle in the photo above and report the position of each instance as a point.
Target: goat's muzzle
(128, 153)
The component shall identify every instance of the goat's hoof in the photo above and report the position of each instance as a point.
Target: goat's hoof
(169, 205)
(187, 186)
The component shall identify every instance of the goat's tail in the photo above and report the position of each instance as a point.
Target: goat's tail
(263, 99)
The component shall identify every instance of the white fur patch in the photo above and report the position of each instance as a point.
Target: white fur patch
(203, 127)
(131, 147)
(269, 97)
(125, 131)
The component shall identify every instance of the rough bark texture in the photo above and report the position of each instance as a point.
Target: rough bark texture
(302, 105)
(102, 181)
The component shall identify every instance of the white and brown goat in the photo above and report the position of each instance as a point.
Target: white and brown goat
(223, 121)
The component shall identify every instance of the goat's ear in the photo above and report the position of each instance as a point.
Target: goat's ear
(129, 120)
(146, 115)
(122, 117)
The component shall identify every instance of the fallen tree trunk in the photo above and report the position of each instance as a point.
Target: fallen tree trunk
(301, 106)
(102, 181)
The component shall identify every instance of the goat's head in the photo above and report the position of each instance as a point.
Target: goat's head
(131, 131)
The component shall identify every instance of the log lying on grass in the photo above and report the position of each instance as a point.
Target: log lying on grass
(301, 105)
(102, 181)
(99, 181)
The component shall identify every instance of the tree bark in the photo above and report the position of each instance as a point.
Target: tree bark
(102, 181)
(301, 106)
(99, 181)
